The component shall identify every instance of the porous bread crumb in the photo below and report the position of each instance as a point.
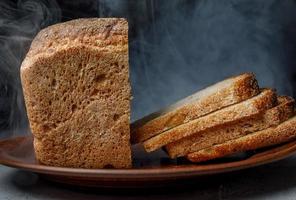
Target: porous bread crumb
(220, 134)
(284, 132)
(243, 110)
(76, 85)
(222, 94)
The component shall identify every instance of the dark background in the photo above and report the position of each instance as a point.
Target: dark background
(176, 47)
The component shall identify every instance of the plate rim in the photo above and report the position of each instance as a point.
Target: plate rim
(283, 151)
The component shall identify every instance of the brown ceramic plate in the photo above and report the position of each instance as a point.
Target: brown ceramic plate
(154, 169)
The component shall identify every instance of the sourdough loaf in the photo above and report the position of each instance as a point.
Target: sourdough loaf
(75, 79)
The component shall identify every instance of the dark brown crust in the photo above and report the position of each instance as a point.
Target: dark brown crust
(271, 117)
(244, 86)
(244, 110)
(271, 136)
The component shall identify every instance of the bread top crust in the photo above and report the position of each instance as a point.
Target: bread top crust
(246, 87)
(107, 34)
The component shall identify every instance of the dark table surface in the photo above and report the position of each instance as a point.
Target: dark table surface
(272, 181)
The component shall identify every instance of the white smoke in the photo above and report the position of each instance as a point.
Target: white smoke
(19, 23)
(176, 47)
(191, 44)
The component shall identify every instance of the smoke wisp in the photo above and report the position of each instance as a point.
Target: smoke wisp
(176, 47)
(19, 23)
(189, 45)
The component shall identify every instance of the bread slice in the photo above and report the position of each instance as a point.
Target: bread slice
(284, 132)
(215, 97)
(246, 109)
(75, 79)
(271, 117)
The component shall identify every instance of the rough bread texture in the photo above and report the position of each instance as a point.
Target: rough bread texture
(244, 110)
(75, 79)
(221, 134)
(284, 132)
(215, 97)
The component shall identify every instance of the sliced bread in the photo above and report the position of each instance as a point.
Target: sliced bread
(221, 134)
(215, 97)
(75, 79)
(243, 110)
(284, 132)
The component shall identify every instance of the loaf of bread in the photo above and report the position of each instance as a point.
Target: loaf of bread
(75, 79)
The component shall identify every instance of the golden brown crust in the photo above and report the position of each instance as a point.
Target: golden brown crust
(75, 80)
(244, 110)
(102, 33)
(221, 134)
(284, 132)
(246, 87)
(234, 90)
